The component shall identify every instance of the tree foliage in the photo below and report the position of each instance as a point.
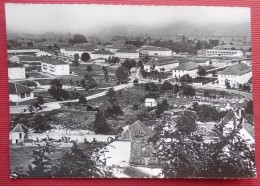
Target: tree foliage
(188, 90)
(201, 71)
(185, 79)
(78, 38)
(166, 86)
(100, 124)
(85, 57)
(121, 75)
(186, 122)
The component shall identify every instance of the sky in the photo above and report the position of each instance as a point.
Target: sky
(41, 18)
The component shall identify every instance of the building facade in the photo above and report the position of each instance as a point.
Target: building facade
(235, 75)
(101, 54)
(190, 68)
(224, 53)
(155, 51)
(19, 134)
(127, 54)
(161, 64)
(55, 67)
(16, 71)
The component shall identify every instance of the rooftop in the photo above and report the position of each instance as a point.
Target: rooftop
(15, 65)
(154, 48)
(161, 61)
(103, 52)
(187, 66)
(31, 58)
(22, 51)
(53, 61)
(16, 88)
(127, 50)
(82, 48)
(237, 69)
(20, 128)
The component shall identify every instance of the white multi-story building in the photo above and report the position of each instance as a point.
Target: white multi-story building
(224, 53)
(16, 71)
(235, 74)
(190, 68)
(19, 93)
(127, 54)
(55, 67)
(101, 54)
(42, 53)
(161, 64)
(155, 51)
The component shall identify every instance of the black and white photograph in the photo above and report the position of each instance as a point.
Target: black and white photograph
(130, 91)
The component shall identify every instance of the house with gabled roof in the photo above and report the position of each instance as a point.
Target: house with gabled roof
(190, 68)
(148, 50)
(19, 134)
(19, 92)
(127, 53)
(235, 75)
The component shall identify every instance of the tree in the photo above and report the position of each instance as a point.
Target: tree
(30, 44)
(112, 97)
(227, 84)
(100, 124)
(201, 71)
(90, 82)
(188, 90)
(89, 68)
(185, 79)
(129, 63)
(40, 100)
(121, 75)
(85, 57)
(166, 86)
(78, 38)
(162, 107)
(186, 122)
(76, 59)
(41, 123)
(82, 100)
(105, 73)
(198, 45)
(56, 90)
(249, 107)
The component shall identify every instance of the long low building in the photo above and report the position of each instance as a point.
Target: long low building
(22, 51)
(101, 54)
(127, 53)
(55, 67)
(161, 64)
(235, 75)
(155, 51)
(224, 53)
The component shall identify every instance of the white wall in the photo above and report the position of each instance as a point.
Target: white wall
(13, 136)
(17, 98)
(127, 55)
(55, 69)
(95, 56)
(179, 73)
(16, 73)
(234, 80)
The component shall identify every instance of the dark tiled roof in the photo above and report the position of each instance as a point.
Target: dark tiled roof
(187, 66)
(53, 61)
(137, 131)
(103, 52)
(250, 80)
(161, 61)
(237, 69)
(31, 58)
(15, 65)
(16, 88)
(20, 128)
(127, 50)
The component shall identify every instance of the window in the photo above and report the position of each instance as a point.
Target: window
(22, 95)
(28, 94)
(20, 135)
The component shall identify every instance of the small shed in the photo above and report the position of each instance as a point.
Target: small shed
(150, 102)
(19, 134)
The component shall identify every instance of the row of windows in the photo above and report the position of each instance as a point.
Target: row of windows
(228, 76)
(23, 95)
(218, 52)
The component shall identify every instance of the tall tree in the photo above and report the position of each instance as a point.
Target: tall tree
(76, 60)
(121, 75)
(100, 124)
(85, 57)
(185, 79)
(89, 68)
(112, 97)
(201, 71)
(105, 73)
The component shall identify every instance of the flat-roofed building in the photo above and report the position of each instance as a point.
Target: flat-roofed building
(55, 66)
(224, 53)
(23, 51)
(235, 75)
